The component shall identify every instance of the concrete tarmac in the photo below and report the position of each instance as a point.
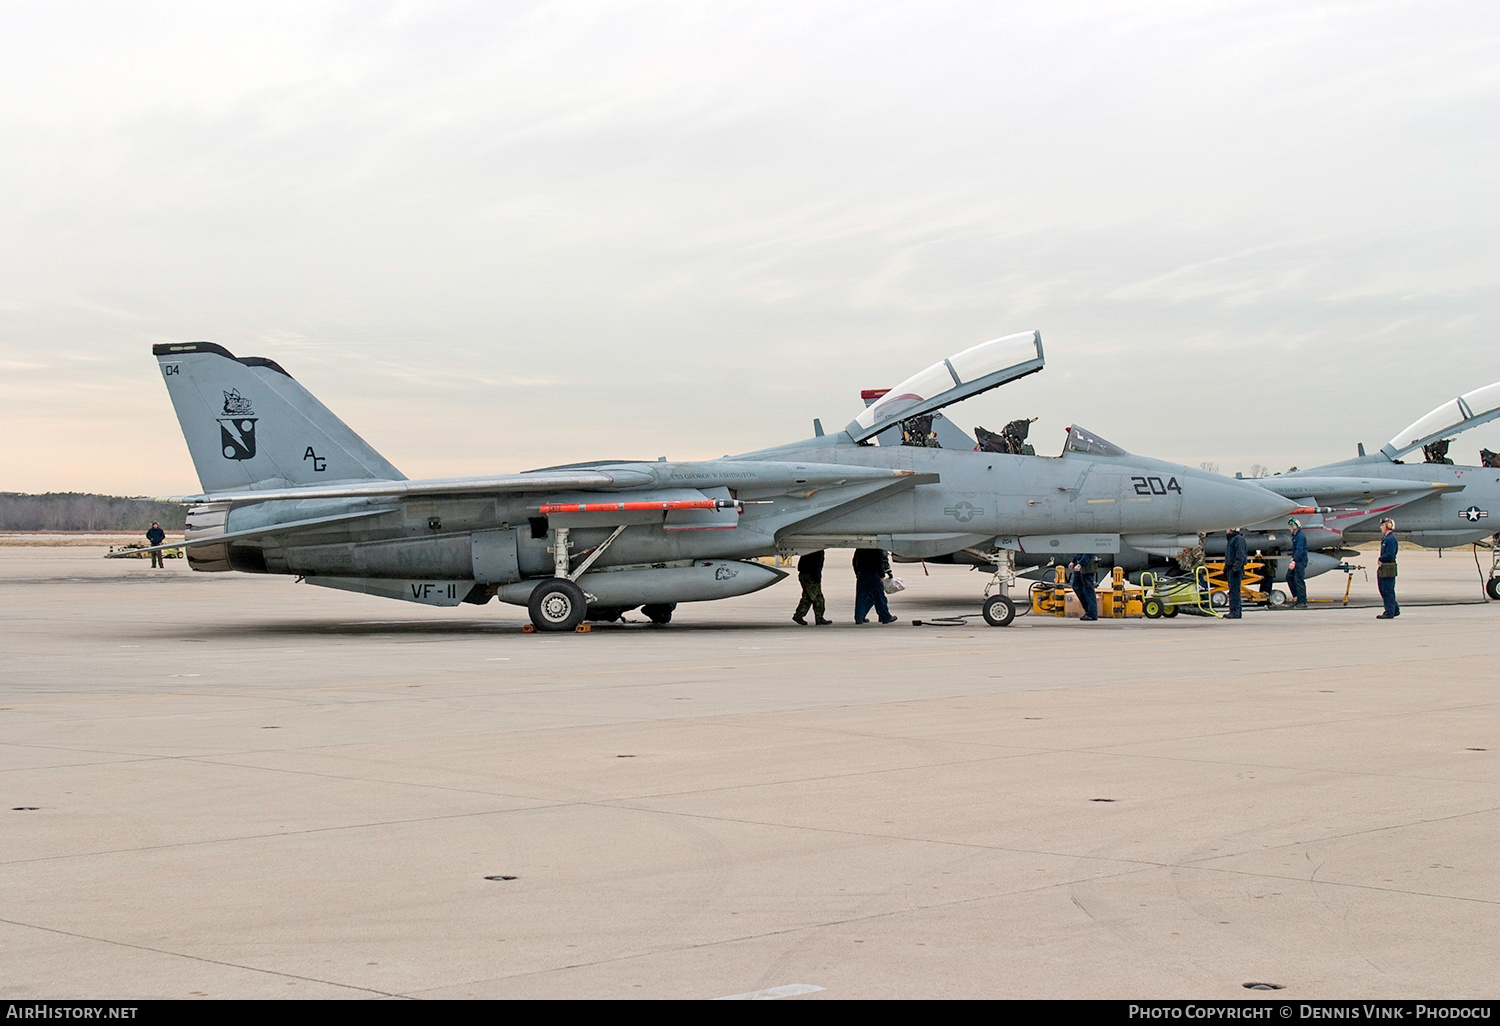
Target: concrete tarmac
(229, 786)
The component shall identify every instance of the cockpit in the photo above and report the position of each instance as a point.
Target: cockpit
(909, 413)
(1437, 452)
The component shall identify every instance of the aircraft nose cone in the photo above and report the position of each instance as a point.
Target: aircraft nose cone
(1227, 502)
(1257, 504)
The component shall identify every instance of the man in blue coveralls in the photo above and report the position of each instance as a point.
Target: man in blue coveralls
(1235, 557)
(1296, 568)
(871, 566)
(156, 536)
(1385, 572)
(1082, 569)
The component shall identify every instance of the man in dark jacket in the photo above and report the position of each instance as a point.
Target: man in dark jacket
(870, 568)
(810, 576)
(1236, 555)
(1081, 567)
(156, 536)
(1385, 571)
(1296, 567)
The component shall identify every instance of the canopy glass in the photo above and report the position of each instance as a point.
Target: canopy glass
(948, 381)
(1090, 444)
(1456, 415)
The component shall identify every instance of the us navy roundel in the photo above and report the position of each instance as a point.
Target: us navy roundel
(237, 427)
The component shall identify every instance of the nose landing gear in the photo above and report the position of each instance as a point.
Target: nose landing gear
(1000, 609)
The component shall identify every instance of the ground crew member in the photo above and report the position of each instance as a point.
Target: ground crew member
(1236, 555)
(1296, 568)
(1385, 572)
(156, 536)
(810, 576)
(871, 567)
(1082, 569)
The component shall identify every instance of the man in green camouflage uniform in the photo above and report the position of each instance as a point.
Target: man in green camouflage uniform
(810, 576)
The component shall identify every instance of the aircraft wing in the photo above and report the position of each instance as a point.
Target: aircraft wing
(959, 377)
(1457, 415)
(1328, 490)
(1345, 501)
(758, 475)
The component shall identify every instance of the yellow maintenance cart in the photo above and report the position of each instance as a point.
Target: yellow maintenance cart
(128, 551)
(1251, 590)
(1255, 589)
(1170, 597)
(1155, 597)
(1116, 601)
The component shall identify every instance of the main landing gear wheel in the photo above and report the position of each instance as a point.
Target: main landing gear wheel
(999, 611)
(557, 605)
(1493, 588)
(1277, 599)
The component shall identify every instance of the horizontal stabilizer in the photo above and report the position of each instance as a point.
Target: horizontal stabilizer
(257, 532)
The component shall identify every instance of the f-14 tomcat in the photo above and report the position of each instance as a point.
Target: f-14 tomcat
(1434, 503)
(288, 488)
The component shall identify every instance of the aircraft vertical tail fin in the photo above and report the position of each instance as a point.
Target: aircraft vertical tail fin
(248, 423)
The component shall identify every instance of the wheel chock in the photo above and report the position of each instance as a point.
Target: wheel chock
(528, 628)
(583, 628)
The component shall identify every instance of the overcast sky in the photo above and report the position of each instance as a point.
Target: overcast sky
(499, 236)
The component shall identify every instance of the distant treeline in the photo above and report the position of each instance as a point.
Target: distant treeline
(80, 511)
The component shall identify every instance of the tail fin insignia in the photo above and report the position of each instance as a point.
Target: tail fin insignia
(238, 436)
(236, 405)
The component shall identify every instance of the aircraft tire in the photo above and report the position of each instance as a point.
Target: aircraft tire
(659, 612)
(1493, 588)
(557, 604)
(1277, 599)
(1152, 608)
(999, 611)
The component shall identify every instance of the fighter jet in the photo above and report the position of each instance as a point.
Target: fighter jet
(288, 488)
(1435, 503)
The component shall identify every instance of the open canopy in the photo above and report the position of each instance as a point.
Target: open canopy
(1456, 415)
(948, 381)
